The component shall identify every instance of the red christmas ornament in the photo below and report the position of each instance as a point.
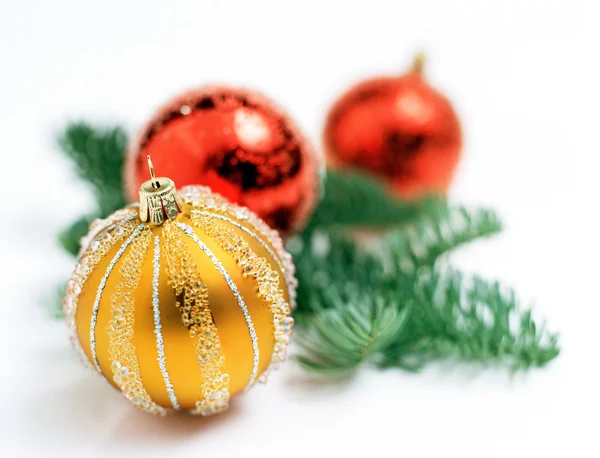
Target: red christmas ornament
(399, 129)
(239, 144)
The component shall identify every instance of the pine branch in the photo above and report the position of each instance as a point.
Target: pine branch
(415, 245)
(340, 339)
(433, 235)
(353, 199)
(470, 319)
(429, 314)
(98, 155)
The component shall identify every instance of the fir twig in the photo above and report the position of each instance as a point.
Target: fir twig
(432, 235)
(352, 199)
(470, 319)
(338, 340)
(429, 314)
(98, 155)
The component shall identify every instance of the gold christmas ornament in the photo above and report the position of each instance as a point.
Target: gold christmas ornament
(183, 301)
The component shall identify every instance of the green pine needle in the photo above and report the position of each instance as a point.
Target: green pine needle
(432, 235)
(98, 155)
(354, 306)
(339, 340)
(469, 319)
(353, 199)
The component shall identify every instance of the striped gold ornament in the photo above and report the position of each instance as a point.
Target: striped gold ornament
(183, 307)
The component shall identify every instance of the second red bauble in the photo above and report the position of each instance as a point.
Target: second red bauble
(237, 142)
(399, 129)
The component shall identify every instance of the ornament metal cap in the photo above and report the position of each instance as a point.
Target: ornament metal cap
(158, 198)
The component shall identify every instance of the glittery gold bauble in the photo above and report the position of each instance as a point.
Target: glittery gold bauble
(237, 142)
(183, 302)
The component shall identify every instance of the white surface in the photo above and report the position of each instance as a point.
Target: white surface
(524, 76)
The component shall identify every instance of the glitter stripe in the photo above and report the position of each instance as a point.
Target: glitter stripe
(112, 226)
(80, 275)
(104, 231)
(160, 345)
(190, 233)
(202, 197)
(258, 239)
(101, 287)
(273, 237)
(121, 349)
(196, 316)
(99, 225)
(266, 278)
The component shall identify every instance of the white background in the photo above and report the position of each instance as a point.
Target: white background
(524, 76)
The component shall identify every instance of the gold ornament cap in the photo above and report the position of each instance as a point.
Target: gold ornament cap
(158, 199)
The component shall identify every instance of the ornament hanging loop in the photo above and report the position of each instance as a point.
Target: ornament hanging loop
(155, 183)
(158, 198)
(418, 63)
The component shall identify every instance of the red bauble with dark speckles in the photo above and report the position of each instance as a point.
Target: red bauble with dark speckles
(399, 129)
(238, 143)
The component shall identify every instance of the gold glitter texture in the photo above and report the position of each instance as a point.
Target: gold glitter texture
(196, 316)
(125, 369)
(97, 250)
(203, 199)
(266, 279)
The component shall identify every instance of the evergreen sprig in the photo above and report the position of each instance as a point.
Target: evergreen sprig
(471, 319)
(353, 199)
(98, 155)
(395, 303)
(340, 339)
(436, 233)
(356, 305)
